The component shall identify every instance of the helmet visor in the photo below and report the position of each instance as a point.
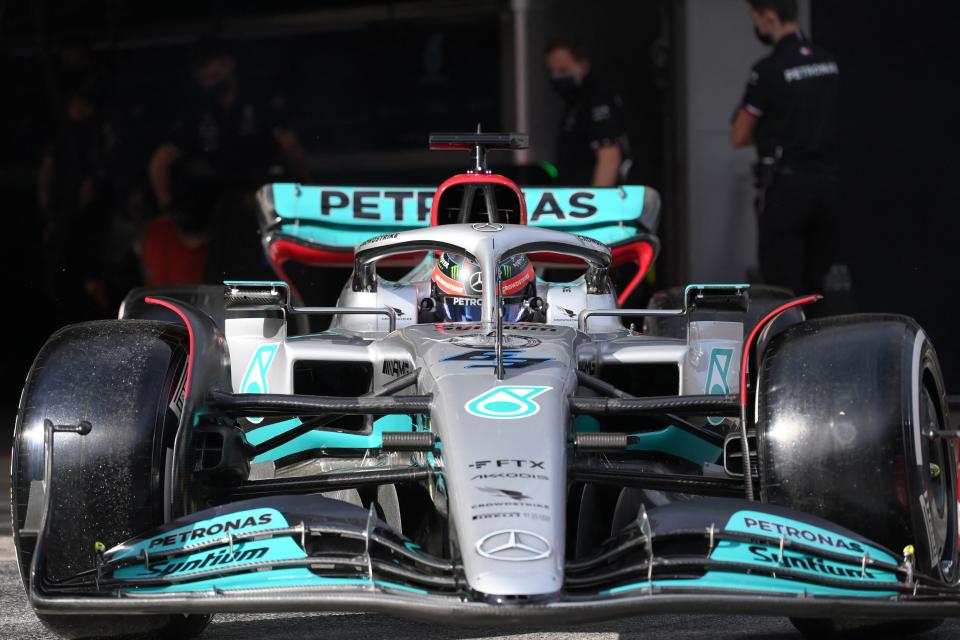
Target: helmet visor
(459, 309)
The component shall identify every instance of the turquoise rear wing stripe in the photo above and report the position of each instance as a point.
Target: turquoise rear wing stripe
(340, 216)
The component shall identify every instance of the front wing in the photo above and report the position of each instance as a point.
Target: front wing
(311, 553)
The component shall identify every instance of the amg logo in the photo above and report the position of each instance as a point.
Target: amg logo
(212, 530)
(211, 560)
(395, 368)
(809, 563)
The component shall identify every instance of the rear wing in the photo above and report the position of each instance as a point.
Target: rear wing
(321, 225)
(339, 218)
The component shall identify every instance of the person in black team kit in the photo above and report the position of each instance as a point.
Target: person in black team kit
(227, 142)
(592, 147)
(789, 110)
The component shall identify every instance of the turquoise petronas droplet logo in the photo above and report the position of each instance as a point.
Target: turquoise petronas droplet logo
(255, 378)
(506, 403)
(717, 373)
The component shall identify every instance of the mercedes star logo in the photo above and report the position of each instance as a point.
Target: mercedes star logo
(476, 281)
(512, 545)
(487, 226)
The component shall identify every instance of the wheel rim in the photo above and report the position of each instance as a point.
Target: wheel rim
(939, 487)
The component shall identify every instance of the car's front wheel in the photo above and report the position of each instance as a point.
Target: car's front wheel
(849, 411)
(124, 379)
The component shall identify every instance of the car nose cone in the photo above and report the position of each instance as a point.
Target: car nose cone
(513, 545)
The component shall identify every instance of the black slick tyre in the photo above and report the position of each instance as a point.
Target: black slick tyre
(847, 412)
(123, 377)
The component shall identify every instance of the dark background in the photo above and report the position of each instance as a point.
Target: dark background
(900, 71)
(366, 85)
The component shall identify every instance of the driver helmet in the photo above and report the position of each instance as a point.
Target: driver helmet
(458, 288)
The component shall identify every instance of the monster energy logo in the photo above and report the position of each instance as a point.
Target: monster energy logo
(454, 270)
(506, 270)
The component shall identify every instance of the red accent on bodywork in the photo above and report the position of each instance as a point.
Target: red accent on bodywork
(753, 334)
(281, 251)
(451, 146)
(183, 316)
(639, 253)
(476, 178)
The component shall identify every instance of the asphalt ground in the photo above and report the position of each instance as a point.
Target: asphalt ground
(18, 622)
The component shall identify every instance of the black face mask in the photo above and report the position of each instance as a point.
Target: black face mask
(764, 38)
(566, 87)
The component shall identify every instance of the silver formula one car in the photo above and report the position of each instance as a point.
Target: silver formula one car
(473, 444)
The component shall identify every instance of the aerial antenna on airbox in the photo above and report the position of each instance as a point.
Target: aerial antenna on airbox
(479, 154)
(479, 143)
